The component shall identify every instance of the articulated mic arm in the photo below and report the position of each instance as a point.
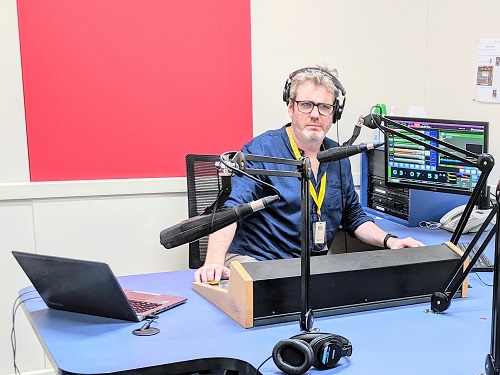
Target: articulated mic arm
(491, 367)
(441, 300)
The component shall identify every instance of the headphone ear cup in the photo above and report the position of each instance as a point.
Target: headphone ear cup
(338, 109)
(328, 349)
(293, 356)
(286, 91)
(318, 348)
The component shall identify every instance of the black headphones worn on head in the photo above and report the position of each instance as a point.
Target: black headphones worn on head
(338, 107)
(296, 355)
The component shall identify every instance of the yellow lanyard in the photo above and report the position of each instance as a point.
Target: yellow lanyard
(317, 198)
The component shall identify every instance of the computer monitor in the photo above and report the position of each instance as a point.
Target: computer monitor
(413, 166)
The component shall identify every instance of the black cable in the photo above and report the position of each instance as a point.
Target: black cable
(481, 280)
(257, 371)
(13, 342)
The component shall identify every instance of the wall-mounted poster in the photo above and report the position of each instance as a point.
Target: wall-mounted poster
(487, 81)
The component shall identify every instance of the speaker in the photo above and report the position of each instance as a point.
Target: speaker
(297, 354)
(338, 106)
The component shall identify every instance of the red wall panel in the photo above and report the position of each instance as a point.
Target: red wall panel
(126, 88)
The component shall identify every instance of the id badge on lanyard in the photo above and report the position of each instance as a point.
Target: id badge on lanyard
(319, 227)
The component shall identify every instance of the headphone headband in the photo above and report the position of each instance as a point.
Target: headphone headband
(334, 79)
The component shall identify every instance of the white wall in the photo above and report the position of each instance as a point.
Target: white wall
(399, 52)
(13, 145)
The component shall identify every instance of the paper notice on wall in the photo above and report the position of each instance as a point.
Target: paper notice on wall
(487, 83)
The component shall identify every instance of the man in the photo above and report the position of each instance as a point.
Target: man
(312, 97)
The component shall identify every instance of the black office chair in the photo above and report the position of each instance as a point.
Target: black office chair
(206, 191)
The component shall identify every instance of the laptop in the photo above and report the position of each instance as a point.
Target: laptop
(89, 287)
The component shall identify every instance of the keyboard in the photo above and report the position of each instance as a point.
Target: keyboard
(142, 306)
(483, 263)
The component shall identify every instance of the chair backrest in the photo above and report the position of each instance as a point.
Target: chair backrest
(203, 188)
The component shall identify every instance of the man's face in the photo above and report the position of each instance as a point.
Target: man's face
(310, 126)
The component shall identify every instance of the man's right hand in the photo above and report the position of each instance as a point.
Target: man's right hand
(211, 272)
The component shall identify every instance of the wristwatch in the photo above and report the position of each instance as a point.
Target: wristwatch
(386, 238)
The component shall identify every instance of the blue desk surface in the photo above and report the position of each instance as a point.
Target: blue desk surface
(403, 340)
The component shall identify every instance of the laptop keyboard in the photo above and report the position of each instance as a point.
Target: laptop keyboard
(142, 306)
(483, 263)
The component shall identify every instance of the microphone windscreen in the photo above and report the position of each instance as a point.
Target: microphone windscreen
(372, 120)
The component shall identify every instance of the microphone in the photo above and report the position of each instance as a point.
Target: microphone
(342, 152)
(197, 227)
(372, 120)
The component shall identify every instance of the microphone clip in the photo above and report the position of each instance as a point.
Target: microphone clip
(226, 166)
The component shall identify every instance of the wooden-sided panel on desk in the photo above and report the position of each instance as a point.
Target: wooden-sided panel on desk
(260, 293)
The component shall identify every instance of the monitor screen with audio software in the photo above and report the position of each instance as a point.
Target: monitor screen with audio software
(413, 166)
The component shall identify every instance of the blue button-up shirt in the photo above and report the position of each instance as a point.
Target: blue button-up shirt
(275, 232)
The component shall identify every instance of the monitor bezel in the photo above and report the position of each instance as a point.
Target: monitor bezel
(422, 186)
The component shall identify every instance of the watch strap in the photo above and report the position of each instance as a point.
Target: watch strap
(386, 238)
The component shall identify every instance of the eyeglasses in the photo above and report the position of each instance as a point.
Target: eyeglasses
(307, 107)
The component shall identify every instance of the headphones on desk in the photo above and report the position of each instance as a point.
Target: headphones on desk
(297, 354)
(338, 107)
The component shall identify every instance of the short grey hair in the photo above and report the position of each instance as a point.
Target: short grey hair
(318, 75)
